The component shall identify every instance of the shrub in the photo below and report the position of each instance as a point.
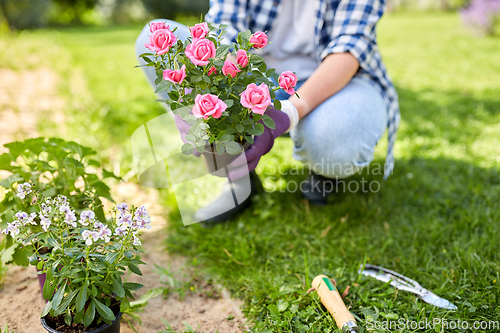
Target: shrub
(480, 16)
(26, 14)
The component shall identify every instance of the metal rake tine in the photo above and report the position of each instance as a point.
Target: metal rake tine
(398, 278)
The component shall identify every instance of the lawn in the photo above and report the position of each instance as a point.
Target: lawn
(435, 220)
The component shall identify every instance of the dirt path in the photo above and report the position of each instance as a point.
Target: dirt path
(25, 96)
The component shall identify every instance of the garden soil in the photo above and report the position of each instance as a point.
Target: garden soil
(24, 97)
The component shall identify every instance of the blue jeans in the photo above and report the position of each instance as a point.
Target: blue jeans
(336, 139)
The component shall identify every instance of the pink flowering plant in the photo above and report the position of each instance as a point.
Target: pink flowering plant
(88, 257)
(225, 102)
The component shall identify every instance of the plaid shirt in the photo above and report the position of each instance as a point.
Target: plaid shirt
(342, 26)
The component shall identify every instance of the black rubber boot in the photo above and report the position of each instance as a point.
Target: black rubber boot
(229, 198)
(317, 188)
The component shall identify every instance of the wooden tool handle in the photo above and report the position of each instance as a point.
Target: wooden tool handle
(332, 301)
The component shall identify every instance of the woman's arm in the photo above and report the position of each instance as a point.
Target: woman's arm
(334, 72)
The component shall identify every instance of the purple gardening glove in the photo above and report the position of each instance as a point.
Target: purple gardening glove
(183, 128)
(262, 145)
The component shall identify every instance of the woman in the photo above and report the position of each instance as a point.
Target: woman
(347, 99)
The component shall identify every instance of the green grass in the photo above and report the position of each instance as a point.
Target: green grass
(435, 220)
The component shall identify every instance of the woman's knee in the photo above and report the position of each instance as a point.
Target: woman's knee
(327, 155)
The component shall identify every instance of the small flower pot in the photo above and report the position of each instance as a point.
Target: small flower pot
(218, 165)
(113, 328)
(41, 282)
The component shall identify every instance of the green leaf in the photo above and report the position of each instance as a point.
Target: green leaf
(206, 79)
(89, 314)
(220, 148)
(132, 285)
(274, 310)
(48, 289)
(103, 310)
(81, 299)
(78, 316)
(46, 309)
(68, 318)
(200, 146)
(58, 296)
(109, 174)
(94, 291)
(67, 300)
(269, 122)
(233, 148)
(163, 87)
(256, 59)
(217, 62)
(49, 192)
(282, 305)
(147, 296)
(135, 269)
(222, 50)
(277, 104)
(118, 289)
(229, 102)
(196, 71)
(111, 257)
(21, 256)
(124, 305)
(240, 128)
(187, 149)
(270, 72)
(245, 36)
(8, 253)
(52, 242)
(196, 78)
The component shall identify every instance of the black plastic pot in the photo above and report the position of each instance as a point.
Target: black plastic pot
(113, 328)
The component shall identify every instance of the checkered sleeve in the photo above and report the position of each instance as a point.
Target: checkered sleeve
(233, 13)
(353, 30)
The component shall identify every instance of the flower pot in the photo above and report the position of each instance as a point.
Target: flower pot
(113, 328)
(41, 282)
(218, 165)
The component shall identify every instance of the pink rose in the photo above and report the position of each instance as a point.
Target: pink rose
(288, 81)
(212, 71)
(256, 98)
(176, 76)
(230, 68)
(259, 40)
(199, 30)
(208, 105)
(200, 51)
(157, 26)
(242, 58)
(161, 41)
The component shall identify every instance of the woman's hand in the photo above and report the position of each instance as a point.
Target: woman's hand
(261, 146)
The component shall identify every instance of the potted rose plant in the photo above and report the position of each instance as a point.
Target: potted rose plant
(225, 102)
(84, 285)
